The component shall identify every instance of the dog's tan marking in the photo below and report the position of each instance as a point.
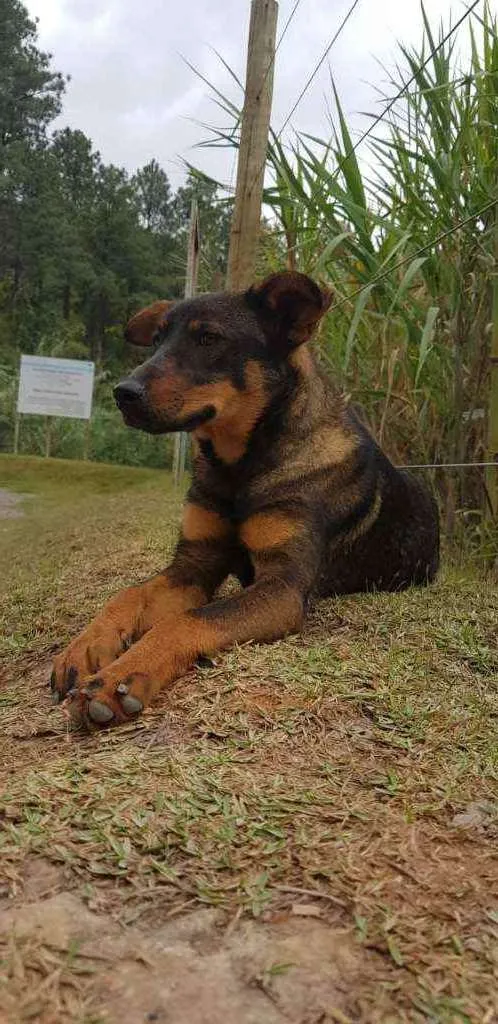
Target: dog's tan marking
(201, 524)
(236, 412)
(266, 530)
(220, 394)
(266, 611)
(166, 390)
(346, 540)
(302, 360)
(329, 446)
(207, 326)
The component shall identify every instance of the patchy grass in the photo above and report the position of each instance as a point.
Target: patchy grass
(353, 769)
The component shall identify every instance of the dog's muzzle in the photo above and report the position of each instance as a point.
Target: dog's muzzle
(131, 400)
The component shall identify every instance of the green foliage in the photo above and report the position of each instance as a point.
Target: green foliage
(153, 194)
(30, 91)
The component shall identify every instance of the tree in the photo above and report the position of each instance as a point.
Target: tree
(153, 192)
(30, 91)
(77, 168)
(30, 97)
(122, 256)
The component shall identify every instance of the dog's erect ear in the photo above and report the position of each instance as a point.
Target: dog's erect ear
(290, 305)
(142, 327)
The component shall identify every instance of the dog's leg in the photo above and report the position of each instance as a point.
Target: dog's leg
(201, 562)
(270, 608)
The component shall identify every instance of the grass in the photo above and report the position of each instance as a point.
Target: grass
(331, 769)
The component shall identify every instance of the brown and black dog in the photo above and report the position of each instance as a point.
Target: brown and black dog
(290, 494)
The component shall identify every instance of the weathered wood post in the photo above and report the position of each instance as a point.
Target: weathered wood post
(246, 220)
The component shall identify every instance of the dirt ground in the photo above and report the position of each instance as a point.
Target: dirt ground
(304, 832)
(194, 969)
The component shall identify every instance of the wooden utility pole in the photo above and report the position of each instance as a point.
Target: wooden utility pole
(246, 219)
(492, 472)
(192, 273)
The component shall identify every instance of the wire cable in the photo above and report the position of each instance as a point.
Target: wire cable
(281, 39)
(449, 465)
(318, 66)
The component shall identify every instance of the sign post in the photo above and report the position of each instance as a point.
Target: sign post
(54, 387)
(17, 424)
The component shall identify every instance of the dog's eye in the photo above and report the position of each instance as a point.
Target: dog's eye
(208, 338)
(159, 335)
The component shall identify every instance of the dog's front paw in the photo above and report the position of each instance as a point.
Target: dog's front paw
(119, 625)
(123, 689)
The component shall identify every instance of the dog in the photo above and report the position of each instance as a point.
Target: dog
(290, 494)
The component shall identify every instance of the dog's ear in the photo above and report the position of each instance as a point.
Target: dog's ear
(290, 306)
(143, 327)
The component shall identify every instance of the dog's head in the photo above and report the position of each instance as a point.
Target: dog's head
(214, 354)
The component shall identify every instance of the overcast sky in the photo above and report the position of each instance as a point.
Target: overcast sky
(133, 95)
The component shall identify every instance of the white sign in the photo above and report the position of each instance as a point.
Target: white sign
(56, 387)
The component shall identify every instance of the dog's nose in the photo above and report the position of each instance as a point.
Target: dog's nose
(129, 392)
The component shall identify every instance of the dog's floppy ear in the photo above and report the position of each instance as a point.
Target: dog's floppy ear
(142, 327)
(290, 305)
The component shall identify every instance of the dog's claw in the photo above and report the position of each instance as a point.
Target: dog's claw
(122, 689)
(55, 697)
(131, 705)
(99, 712)
(204, 662)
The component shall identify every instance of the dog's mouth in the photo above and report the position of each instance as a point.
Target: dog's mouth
(151, 424)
